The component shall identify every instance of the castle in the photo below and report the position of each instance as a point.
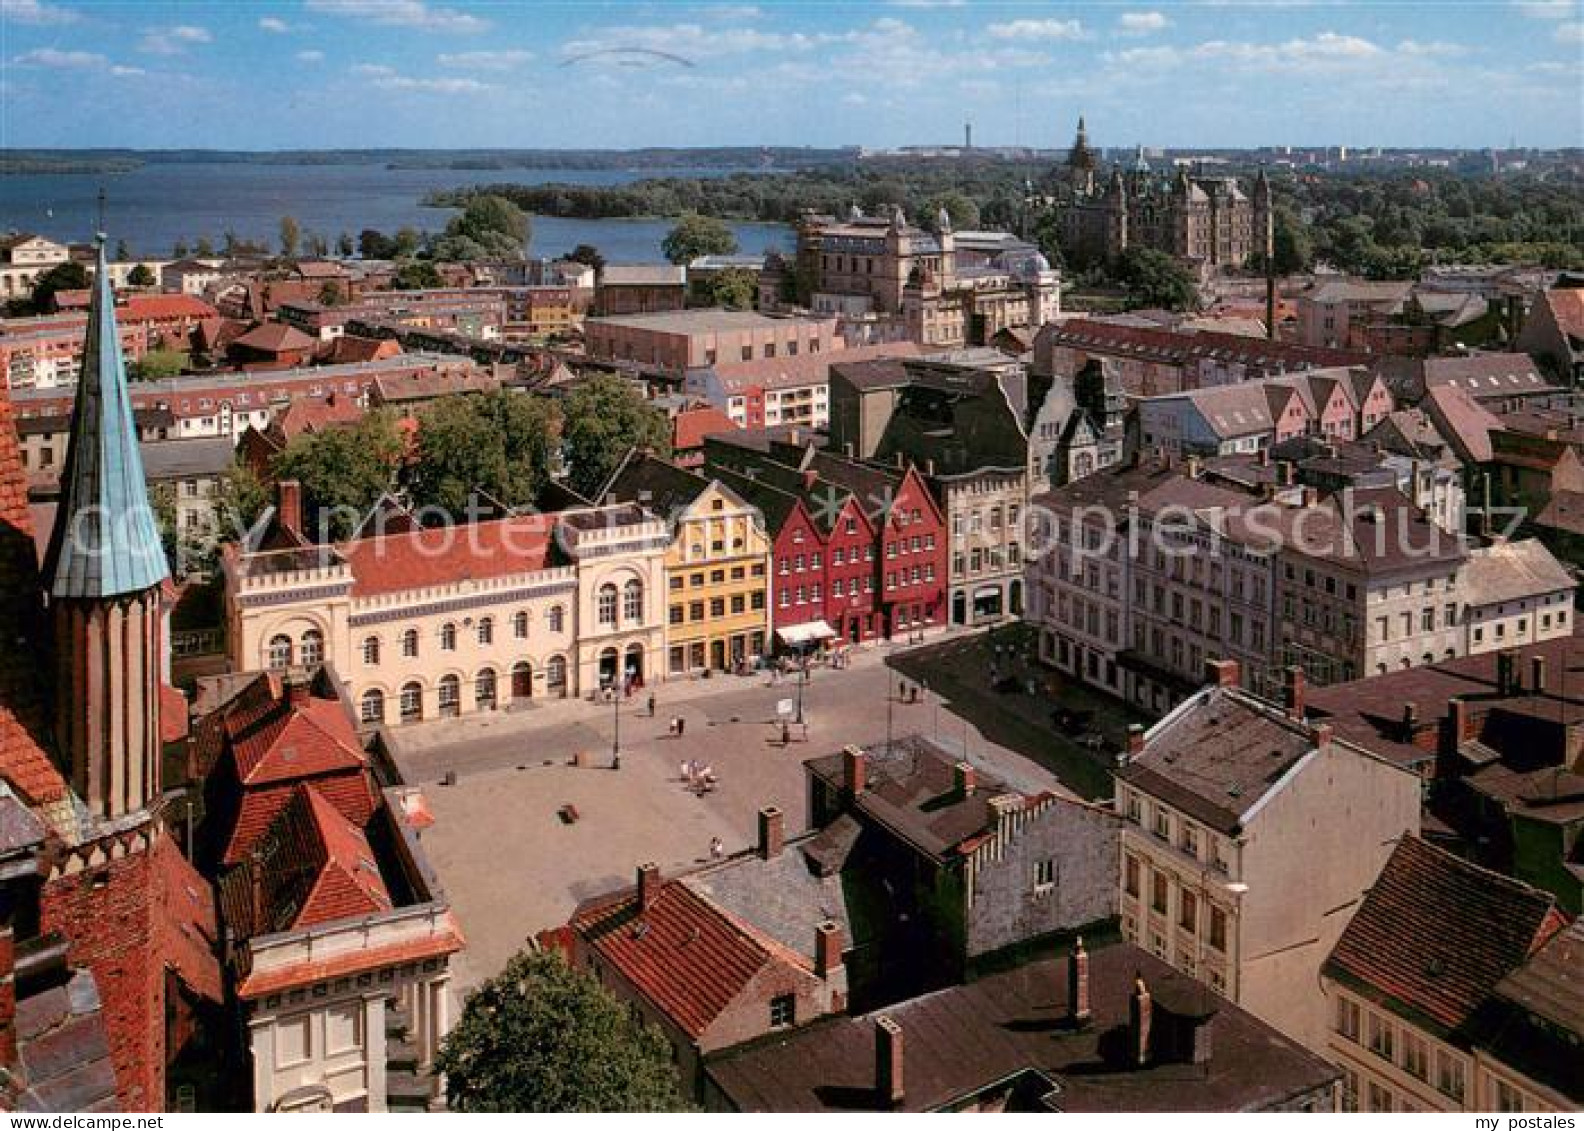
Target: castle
(1209, 222)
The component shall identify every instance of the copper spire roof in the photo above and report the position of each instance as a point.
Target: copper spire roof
(105, 542)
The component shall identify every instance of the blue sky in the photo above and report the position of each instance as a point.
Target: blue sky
(347, 73)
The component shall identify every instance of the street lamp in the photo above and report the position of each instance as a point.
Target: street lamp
(803, 675)
(615, 728)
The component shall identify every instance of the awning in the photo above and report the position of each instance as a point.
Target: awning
(809, 633)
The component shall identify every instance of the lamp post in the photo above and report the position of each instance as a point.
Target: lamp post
(803, 674)
(615, 728)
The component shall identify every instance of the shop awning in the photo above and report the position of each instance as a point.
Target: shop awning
(812, 632)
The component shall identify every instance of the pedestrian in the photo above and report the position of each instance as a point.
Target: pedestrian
(786, 733)
(682, 771)
(651, 705)
(681, 726)
(717, 849)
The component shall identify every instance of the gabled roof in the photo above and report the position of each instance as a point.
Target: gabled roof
(1465, 424)
(685, 955)
(313, 866)
(274, 337)
(165, 308)
(105, 542)
(1513, 571)
(691, 425)
(284, 740)
(662, 487)
(447, 555)
(1535, 1019)
(1435, 934)
(185, 920)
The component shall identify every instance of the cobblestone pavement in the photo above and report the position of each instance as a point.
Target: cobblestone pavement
(512, 866)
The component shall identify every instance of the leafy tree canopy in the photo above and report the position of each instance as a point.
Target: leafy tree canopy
(696, 235)
(1155, 279)
(68, 276)
(416, 274)
(489, 227)
(141, 276)
(501, 442)
(603, 418)
(241, 499)
(734, 289)
(540, 1036)
(588, 254)
(290, 233)
(343, 471)
(156, 364)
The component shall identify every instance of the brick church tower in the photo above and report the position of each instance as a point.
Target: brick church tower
(106, 863)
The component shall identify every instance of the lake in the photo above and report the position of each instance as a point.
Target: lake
(156, 205)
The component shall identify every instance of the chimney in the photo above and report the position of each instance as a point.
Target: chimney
(772, 832)
(827, 948)
(1293, 692)
(1537, 675)
(648, 885)
(1078, 985)
(1140, 1020)
(1193, 466)
(1410, 720)
(964, 779)
(1456, 726)
(1506, 681)
(1135, 739)
(888, 1062)
(1222, 673)
(854, 770)
(288, 505)
(847, 449)
(929, 467)
(8, 1040)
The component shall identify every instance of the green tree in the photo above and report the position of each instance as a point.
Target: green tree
(374, 244)
(162, 501)
(1293, 250)
(68, 276)
(330, 294)
(734, 288)
(602, 419)
(489, 227)
(500, 442)
(318, 247)
(343, 471)
(240, 500)
(141, 276)
(1155, 279)
(541, 1036)
(122, 251)
(180, 250)
(289, 235)
(205, 248)
(587, 253)
(960, 208)
(696, 235)
(408, 241)
(344, 245)
(157, 363)
(416, 274)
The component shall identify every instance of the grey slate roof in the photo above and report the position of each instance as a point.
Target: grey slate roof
(105, 542)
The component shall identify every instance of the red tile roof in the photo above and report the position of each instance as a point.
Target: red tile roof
(688, 957)
(287, 741)
(349, 349)
(446, 939)
(1435, 934)
(173, 714)
(24, 763)
(691, 425)
(163, 308)
(274, 337)
(185, 921)
(307, 415)
(445, 555)
(1567, 307)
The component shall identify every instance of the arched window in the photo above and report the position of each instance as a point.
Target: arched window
(373, 706)
(448, 637)
(371, 650)
(410, 643)
(555, 675)
(557, 619)
(486, 630)
(450, 697)
(411, 702)
(520, 625)
(280, 652)
(484, 688)
(606, 609)
(312, 647)
(632, 601)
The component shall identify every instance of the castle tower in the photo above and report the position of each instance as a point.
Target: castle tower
(1116, 215)
(102, 578)
(1081, 162)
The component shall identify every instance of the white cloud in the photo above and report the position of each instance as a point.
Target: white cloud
(173, 40)
(61, 60)
(1436, 49)
(1572, 32)
(1547, 9)
(1142, 23)
(401, 13)
(388, 78)
(485, 60)
(1037, 30)
(33, 12)
(121, 72)
(274, 24)
(736, 12)
(692, 43)
(310, 56)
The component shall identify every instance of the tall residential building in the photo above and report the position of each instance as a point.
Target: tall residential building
(1230, 801)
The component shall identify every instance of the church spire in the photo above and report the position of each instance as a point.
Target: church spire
(105, 542)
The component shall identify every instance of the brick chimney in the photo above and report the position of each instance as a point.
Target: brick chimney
(1506, 676)
(1141, 1020)
(288, 505)
(964, 779)
(827, 948)
(772, 832)
(298, 692)
(1410, 720)
(888, 1062)
(1135, 739)
(648, 885)
(1222, 673)
(855, 770)
(1078, 985)
(1456, 726)
(1294, 691)
(8, 1039)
